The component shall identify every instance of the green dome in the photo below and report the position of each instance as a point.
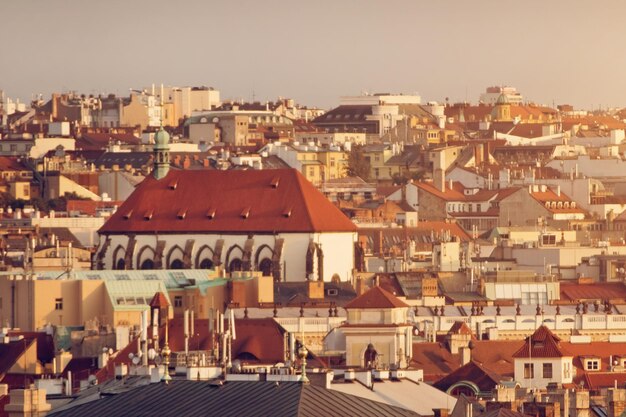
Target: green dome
(502, 99)
(162, 138)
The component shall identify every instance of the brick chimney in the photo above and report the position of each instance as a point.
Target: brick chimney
(440, 412)
(27, 402)
(616, 400)
(315, 290)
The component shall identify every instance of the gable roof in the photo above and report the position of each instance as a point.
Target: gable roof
(182, 397)
(541, 344)
(460, 327)
(213, 201)
(376, 298)
(159, 300)
(485, 379)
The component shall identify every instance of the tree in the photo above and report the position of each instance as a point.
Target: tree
(358, 165)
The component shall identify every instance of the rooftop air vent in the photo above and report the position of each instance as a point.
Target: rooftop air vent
(275, 182)
(182, 213)
(148, 215)
(128, 214)
(172, 185)
(245, 213)
(211, 213)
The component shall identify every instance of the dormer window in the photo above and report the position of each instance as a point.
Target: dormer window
(592, 364)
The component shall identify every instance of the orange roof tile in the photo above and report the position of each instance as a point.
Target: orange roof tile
(541, 344)
(263, 195)
(159, 300)
(376, 298)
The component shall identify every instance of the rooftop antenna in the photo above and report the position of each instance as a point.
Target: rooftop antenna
(166, 352)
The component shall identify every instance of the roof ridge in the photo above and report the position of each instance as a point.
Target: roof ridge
(306, 202)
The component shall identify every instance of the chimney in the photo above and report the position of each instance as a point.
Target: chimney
(315, 289)
(440, 412)
(616, 400)
(360, 287)
(27, 402)
(439, 174)
(466, 355)
(558, 190)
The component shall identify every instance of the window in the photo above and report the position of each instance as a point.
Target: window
(147, 264)
(58, 304)
(177, 264)
(529, 371)
(266, 266)
(592, 365)
(547, 371)
(549, 239)
(178, 301)
(206, 264)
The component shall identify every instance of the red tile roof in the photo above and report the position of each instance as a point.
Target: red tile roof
(597, 380)
(8, 163)
(159, 301)
(376, 298)
(460, 327)
(267, 195)
(594, 291)
(541, 344)
(484, 378)
(89, 207)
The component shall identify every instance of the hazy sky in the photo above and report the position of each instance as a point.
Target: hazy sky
(565, 51)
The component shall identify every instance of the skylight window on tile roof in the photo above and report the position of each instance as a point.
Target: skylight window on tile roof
(122, 277)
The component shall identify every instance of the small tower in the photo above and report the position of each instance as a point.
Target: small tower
(502, 109)
(161, 154)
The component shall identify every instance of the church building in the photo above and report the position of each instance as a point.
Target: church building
(273, 221)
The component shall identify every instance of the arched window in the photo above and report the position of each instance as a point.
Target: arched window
(462, 389)
(147, 264)
(206, 263)
(177, 264)
(266, 267)
(121, 264)
(370, 356)
(235, 265)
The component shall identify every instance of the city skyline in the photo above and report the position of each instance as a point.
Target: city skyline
(315, 53)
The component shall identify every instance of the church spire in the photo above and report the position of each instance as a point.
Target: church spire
(161, 149)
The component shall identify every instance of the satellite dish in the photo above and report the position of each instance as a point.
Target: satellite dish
(151, 354)
(131, 355)
(136, 360)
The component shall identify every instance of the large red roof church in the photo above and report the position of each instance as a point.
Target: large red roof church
(269, 220)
